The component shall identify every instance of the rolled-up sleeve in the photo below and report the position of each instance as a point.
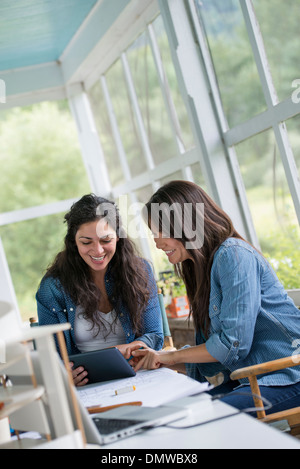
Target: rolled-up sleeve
(233, 319)
(47, 303)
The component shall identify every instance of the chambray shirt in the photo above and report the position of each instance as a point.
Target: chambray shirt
(252, 318)
(55, 306)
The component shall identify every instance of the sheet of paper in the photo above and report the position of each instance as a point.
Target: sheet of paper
(152, 388)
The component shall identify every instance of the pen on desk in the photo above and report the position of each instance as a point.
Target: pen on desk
(98, 409)
(124, 390)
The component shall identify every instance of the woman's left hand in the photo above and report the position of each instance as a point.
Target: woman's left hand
(127, 349)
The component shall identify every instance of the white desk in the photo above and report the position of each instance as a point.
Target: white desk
(238, 432)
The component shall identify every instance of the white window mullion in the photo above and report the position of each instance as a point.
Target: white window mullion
(289, 164)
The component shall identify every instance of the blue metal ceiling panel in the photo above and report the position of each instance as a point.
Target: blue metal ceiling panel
(37, 31)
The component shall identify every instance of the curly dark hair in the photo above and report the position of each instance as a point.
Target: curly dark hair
(217, 228)
(128, 269)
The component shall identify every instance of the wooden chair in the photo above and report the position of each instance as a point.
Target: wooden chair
(292, 416)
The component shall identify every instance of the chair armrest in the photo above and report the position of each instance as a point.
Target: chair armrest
(266, 367)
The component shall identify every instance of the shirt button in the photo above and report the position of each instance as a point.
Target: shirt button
(128, 335)
(53, 309)
(215, 308)
(121, 315)
(236, 343)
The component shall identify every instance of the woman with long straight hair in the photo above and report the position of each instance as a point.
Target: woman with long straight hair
(100, 285)
(241, 312)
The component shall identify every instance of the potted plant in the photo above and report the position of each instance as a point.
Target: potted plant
(174, 291)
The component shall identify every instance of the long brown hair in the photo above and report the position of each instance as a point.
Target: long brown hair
(217, 228)
(131, 280)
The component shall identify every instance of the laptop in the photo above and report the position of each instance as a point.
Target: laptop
(126, 421)
(121, 422)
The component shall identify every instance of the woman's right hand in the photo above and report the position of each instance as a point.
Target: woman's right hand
(151, 359)
(79, 375)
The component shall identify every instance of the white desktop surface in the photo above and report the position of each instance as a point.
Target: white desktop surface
(236, 432)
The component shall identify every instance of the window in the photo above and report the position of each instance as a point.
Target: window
(40, 156)
(103, 125)
(233, 60)
(41, 164)
(279, 24)
(252, 49)
(293, 126)
(30, 246)
(143, 123)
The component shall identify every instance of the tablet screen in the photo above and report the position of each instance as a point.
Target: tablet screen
(103, 365)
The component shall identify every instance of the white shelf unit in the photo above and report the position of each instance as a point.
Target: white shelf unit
(23, 402)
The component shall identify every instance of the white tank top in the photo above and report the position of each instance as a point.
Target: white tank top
(113, 333)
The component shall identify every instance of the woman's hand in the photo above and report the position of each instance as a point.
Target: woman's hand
(79, 375)
(127, 349)
(150, 359)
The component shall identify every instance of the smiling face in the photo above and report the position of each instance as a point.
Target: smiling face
(96, 243)
(173, 248)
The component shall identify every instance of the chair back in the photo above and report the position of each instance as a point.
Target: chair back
(294, 294)
(168, 341)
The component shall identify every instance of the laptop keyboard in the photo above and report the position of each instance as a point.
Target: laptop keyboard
(107, 426)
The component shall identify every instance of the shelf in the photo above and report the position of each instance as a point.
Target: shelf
(16, 397)
(25, 334)
(23, 443)
(11, 362)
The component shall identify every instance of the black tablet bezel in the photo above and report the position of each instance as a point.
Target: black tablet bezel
(103, 365)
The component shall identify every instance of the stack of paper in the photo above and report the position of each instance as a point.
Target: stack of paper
(151, 387)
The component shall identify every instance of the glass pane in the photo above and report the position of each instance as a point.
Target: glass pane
(279, 23)
(293, 127)
(171, 177)
(126, 120)
(40, 156)
(102, 121)
(198, 176)
(38, 240)
(271, 205)
(183, 126)
(151, 102)
(144, 194)
(159, 259)
(139, 229)
(233, 60)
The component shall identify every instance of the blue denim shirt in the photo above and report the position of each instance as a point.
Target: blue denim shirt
(252, 318)
(55, 306)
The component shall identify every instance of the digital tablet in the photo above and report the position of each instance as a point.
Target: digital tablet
(103, 365)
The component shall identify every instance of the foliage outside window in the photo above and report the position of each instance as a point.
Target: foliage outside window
(40, 163)
(241, 93)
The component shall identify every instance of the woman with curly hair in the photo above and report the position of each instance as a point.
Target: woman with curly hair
(100, 285)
